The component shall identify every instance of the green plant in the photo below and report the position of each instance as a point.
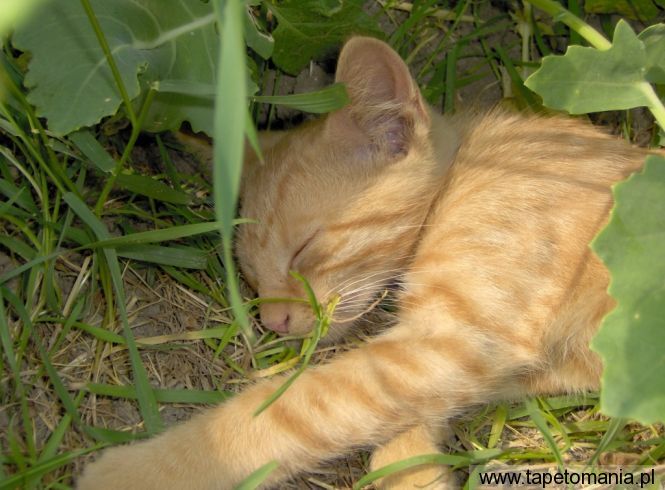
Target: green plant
(609, 76)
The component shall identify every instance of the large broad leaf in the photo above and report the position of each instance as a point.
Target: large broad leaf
(71, 83)
(590, 80)
(654, 41)
(306, 29)
(631, 340)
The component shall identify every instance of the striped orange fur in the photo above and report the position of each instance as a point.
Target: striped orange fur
(486, 219)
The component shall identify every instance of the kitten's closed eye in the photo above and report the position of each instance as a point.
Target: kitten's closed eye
(298, 254)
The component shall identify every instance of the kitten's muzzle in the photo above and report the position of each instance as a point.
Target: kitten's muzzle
(277, 321)
(285, 318)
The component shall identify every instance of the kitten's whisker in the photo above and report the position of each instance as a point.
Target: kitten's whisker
(356, 279)
(370, 307)
(341, 287)
(405, 267)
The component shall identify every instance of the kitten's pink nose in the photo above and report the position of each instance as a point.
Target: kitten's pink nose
(279, 326)
(275, 316)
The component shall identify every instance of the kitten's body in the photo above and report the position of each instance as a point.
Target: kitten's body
(486, 219)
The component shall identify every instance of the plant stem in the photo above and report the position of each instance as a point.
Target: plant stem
(655, 105)
(136, 130)
(559, 13)
(109, 59)
(525, 29)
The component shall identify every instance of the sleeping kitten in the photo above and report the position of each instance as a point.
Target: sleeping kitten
(487, 220)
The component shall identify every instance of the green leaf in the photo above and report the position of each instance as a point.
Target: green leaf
(654, 42)
(256, 39)
(71, 83)
(590, 80)
(147, 186)
(307, 29)
(631, 340)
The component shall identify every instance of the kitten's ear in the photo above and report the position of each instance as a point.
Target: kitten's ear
(386, 110)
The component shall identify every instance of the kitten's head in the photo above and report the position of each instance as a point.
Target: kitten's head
(340, 200)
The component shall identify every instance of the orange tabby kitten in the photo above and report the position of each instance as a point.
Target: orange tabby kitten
(486, 219)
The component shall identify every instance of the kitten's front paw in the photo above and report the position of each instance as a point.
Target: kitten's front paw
(416, 441)
(116, 468)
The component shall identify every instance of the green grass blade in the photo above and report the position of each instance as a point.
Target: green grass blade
(442, 459)
(614, 429)
(150, 187)
(100, 333)
(539, 420)
(51, 447)
(71, 408)
(162, 395)
(524, 93)
(474, 479)
(185, 257)
(230, 115)
(253, 138)
(451, 79)
(325, 100)
(135, 238)
(93, 151)
(556, 403)
(17, 480)
(170, 168)
(18, 247)
(19, 195)
(499, 422)
(166, 234)
(14, 365)
(257, 477)
(323, 319)
(145, 394)
(314, 303)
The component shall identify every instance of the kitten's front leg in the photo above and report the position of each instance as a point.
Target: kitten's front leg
(363, 398)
